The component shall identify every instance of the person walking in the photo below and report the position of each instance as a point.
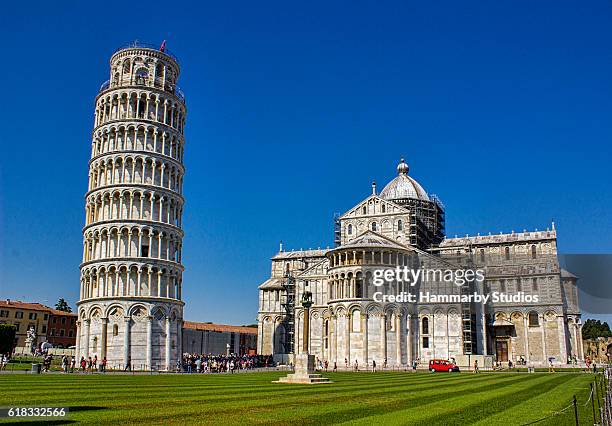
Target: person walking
(373, 366)
(103, 365)
(475, 366)
(65, 363)
(356, 366)
(335, 366)
(414, 365)
(72, 363)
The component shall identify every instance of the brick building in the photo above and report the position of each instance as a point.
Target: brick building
(207, 338)
(50, 325)
(61, 329)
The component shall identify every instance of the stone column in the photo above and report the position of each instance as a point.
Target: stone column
(526, 324)
(574, 334)
(383, 338)
(149, 354)
(179, 328)
(398, 339)
(104, 338)
(86, 351)
(580, 345)
(126, 342)
(409, 339)
(347, 338)
(544, 351)
(306, 330)
(485, 343)
(364, 328)
(562, 340)
(77, 352)
(168, 343)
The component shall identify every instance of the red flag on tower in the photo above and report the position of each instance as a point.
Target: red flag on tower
(163, 46)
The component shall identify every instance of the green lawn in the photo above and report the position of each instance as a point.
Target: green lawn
(357, 398)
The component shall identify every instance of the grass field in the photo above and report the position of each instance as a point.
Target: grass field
(363, 398)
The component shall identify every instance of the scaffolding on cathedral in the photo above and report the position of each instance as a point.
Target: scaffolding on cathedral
(288, 305)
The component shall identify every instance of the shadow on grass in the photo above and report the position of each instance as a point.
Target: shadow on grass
(42, 420)
(85, 408)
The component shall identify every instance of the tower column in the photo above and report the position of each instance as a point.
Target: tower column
(168, 342)
(347, 338)
(126, 342)
(149, 358)
(364, 325)
(103, 337)
(86, 351)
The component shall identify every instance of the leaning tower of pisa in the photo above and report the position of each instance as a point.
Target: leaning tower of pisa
(130, 308)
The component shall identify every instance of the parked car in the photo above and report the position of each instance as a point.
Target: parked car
(443, 365)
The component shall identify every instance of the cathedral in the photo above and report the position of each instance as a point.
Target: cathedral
(403, 226)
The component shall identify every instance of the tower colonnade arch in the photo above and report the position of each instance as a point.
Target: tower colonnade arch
(137, 135)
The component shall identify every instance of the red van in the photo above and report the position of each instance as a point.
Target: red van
(443, 365)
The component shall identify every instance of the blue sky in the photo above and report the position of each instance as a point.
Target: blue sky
(500, 108)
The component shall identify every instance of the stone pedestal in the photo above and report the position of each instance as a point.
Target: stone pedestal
(304, 372)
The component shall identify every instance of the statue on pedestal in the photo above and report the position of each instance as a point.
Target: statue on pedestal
(31, 339)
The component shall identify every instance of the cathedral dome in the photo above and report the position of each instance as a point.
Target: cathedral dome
(403, 186)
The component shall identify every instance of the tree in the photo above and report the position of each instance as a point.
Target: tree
(62, 305)
(7, 338)
(593, 329)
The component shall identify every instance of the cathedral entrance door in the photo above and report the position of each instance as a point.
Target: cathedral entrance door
(501, 348)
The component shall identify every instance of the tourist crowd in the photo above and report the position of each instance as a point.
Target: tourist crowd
(202, 363)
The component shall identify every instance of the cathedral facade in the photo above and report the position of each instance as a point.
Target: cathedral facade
(403, 226)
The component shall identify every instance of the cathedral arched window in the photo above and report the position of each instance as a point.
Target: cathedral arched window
(389, 322)
(533, 251)
(359, 285)
(383, 208)
(115, 330)
(365, 210)
(400, 225)
(507, 253)
(374, 226)
(534, 284)
(425, 326)
(350, 229)
(482, 255)
(534, 320)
